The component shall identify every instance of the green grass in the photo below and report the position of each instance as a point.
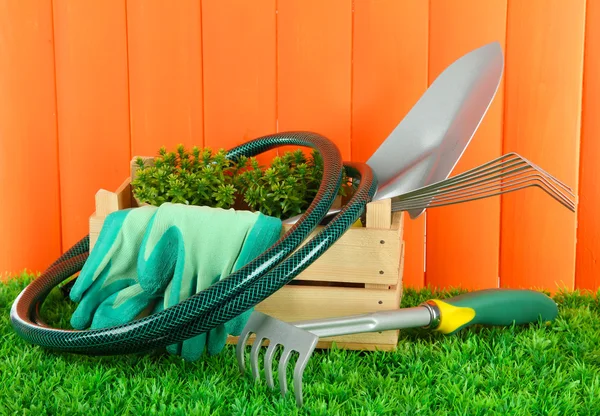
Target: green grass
(538, 369)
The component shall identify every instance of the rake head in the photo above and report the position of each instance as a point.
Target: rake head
(290, 337)
(508, 173)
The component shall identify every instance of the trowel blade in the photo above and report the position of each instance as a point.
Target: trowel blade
(427, 144)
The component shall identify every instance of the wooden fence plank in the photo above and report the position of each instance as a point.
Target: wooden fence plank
(314, 48)
(463, 240)
(165, 74)
(239, 64)
(588, 231)
(542, 123)
(29, 186)
(389, 76)
(92, 106)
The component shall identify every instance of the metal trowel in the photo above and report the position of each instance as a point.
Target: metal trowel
(426, 145)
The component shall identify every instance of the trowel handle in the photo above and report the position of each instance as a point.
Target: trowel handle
(491, 307)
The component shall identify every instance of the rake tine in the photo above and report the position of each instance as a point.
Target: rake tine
(459, 181)
(561, 184)
(493, 166)
(546, 186)
(277, 332)
(298, 373)
(254, 356)
(503, 187)
(474, 172)
(443, 188)
(269, 364)
(514, 177)
(547, 177)
(449, 185)
(402, 206)
(514, 156)
(538, 168)
(283, 363)
(239, 350)
(491, 186)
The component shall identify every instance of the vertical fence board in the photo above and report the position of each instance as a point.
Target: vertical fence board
(588, 232)
(544, 67)
(389, 76)
(29, 186)
(92, 106)
(463, 240)
(314, 68)
(165, 74)
(239, 53)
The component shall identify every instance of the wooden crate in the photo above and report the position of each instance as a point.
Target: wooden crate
(360, 273)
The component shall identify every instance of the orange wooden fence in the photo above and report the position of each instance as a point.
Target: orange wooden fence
(86, 84)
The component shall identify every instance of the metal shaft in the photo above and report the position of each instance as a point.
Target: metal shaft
(419, 316)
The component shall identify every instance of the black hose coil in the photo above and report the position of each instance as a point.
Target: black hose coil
(223, 300)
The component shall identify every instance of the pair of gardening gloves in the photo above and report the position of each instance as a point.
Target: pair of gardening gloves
(150, 258)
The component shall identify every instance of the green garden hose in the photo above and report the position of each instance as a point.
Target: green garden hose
(225, 299)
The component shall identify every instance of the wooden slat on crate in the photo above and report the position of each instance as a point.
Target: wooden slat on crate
(107, 202)
(379, 214)
(96, 222)
(378, 253)
(290, 303)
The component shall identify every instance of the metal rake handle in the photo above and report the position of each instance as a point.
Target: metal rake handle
(368, 322)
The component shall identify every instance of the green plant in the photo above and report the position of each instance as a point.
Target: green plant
(199, 177)
(287, 187)
(284, 189)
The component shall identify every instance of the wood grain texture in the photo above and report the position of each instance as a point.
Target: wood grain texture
(314, 52)
(379, 214)
(389, 76)
(239, 64)
(588, 231)
(463, 240)
(359, 257)
(544, 67)
(31, 236)
(92, 99)
(165, 74)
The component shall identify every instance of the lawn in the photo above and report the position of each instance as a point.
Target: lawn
(538, 369)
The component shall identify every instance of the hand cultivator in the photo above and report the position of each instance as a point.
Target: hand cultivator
(489, 307)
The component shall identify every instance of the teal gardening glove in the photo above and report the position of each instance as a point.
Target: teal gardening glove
(188, 248)
(107, 289)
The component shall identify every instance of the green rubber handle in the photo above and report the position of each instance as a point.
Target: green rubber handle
(494, 307)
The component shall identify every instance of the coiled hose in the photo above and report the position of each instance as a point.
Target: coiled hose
(225, 299)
